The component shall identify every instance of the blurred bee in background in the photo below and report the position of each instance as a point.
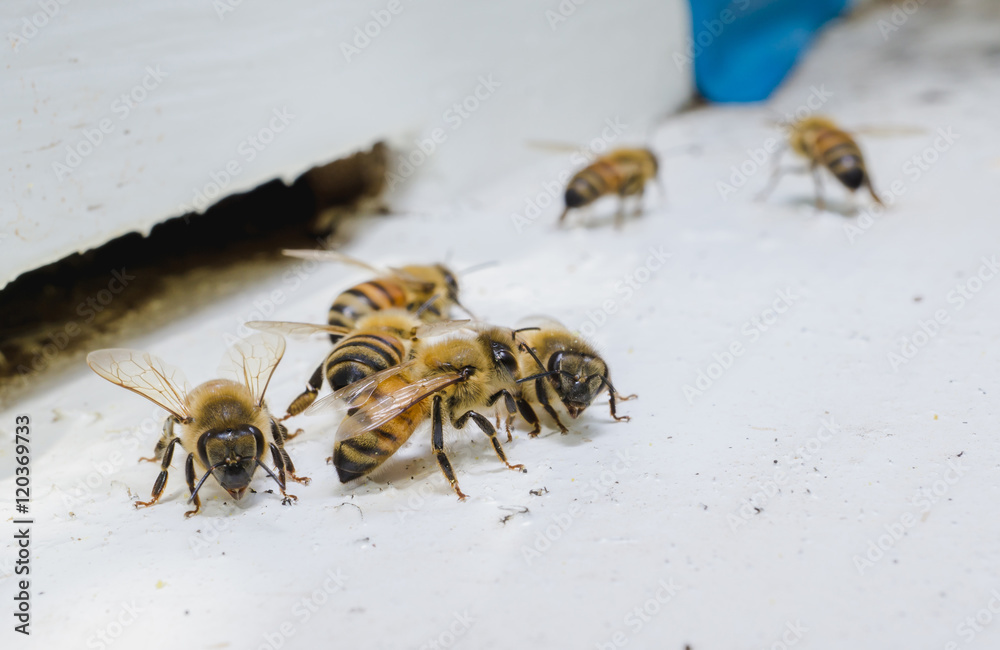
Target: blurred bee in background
(453, 379)
(380, 340)
(823, 144)
(223, 424)
(624, 172)
(408, 288)
(574, 373)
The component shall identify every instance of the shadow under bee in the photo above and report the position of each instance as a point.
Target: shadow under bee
(835, 206)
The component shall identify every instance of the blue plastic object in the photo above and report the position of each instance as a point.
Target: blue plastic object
(742, 49)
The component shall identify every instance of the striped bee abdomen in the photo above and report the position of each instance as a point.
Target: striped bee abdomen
(591, 183)
(361, 355)
(361, 454)
(363, 299)
(839, 153)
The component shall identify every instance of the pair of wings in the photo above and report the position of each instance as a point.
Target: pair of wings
(372, 412)
(252, 360)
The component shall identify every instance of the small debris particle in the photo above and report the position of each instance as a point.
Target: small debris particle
(516, 510)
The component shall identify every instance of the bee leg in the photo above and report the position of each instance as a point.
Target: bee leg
(776, 173)
(280, 435)
(633, 186)
(506, 423)
(562, 217)
(437, 443)
(543, 399)
(189, 476)
(161, 478)
(662, 189)
(290, 468)
(279, 464)
(611, 403)
(871, 190)
(488, 429)
(511, 405)
(530, 417)
(638, 202)
(161, 444)
(308, 396)
(818, 183)
(620, 214)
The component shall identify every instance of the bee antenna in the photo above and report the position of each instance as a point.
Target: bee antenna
(607, 382)
(478, 267)
(430, 301)
(211, 469)
(538, 376)
(527, 348)
(270, 473)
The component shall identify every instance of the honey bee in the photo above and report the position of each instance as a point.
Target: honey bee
(624, 172)
(224, 425)
(574, 373)
(434, 287)
(823, 144)
(455, 379)
(380, 340)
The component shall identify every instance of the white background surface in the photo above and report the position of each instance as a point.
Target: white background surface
(412, 558)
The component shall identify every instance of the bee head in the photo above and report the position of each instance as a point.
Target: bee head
(578, 194)
(232, 454)
(578, 379)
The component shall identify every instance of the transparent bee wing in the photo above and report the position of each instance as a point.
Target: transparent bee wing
(295, 329)
(443, 327)
(403, 275)
(379, 410)
(355, 394)
(551, 145)
(889, 131)
(253, 360)
(477, 267)
(145, 374)
(331, 256)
